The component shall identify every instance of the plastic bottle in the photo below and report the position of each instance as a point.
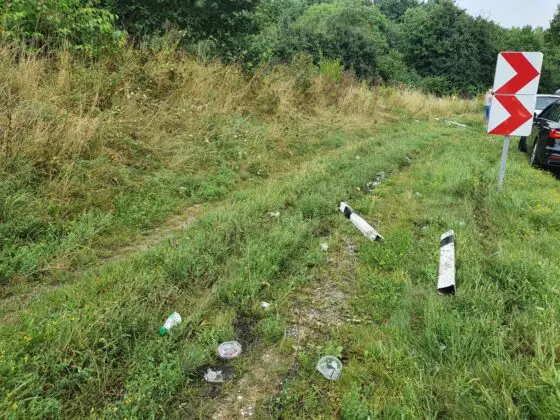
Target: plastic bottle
(170, 322)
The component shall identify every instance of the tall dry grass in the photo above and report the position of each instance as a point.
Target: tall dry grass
(125, 140)
(59, 110)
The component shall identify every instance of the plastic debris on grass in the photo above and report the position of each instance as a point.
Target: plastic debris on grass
(229, 350)
(330, 367)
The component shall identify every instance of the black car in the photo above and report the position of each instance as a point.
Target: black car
(543, 144)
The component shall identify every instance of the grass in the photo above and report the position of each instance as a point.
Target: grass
(489, 352)
(94, 153)
(88, 345)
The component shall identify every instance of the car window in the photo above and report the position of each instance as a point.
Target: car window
(551, 113)
(544, 101)
(554, 114)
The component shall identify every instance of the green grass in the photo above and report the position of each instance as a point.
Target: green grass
(489, 352)
(79, 331)
(90, 347)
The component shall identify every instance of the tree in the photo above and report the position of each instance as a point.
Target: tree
(222, 20)
(553, 33)
(273, 19)
(522, 39)
(346, 30)
(395, 9)
(450, 49)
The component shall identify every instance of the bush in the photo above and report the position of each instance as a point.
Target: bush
(351, 31)
(223, 21)
(55, 23)
(332, 69)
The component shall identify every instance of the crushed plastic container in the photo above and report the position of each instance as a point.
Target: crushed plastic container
(330, 367)
(229, 350)
(173, 320)
(218, 374)
(214, 376)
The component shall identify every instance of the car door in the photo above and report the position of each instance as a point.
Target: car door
(541, 127)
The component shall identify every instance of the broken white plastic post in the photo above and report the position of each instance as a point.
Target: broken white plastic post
(446, 279)
(360, 223)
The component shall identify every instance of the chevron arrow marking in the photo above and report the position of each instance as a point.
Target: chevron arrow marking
(526, 73)
(519, 115)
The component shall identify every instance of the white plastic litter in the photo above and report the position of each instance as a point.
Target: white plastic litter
(330, 367)
(265, 305)
(458, 124)
(229, 350)
(360, 223)
(274, 214)
(214, 376)
(380, 176)
(324, 247)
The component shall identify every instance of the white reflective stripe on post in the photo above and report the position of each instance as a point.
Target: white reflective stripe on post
(360, 223)
(446, 279)
(503, 164)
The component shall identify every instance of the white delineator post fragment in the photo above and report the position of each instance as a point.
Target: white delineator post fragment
(446, 279)
(360, 223)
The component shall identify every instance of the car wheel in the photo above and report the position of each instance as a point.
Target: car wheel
(522, 146)
(534, 160)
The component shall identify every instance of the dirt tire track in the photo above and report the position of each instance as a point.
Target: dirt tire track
(310, 321)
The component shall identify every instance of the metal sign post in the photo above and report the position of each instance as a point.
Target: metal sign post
(503, 164)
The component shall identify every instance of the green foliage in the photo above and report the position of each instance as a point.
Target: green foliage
(273, 20)
(522, 39)
(350, 31)
(434, 45)
(221, 20)
(453, 50)
(553, 33)
(77, 24)
(395, 9)
(550, 78)
(331, 68)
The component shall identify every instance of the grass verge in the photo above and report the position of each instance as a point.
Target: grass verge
(91, 348)
(492, 351)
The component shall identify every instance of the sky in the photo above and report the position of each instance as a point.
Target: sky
(510, 13)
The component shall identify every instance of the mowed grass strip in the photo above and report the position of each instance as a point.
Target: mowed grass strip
(491, 351)
(91, 348)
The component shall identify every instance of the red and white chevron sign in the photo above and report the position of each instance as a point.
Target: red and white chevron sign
(515, 93)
